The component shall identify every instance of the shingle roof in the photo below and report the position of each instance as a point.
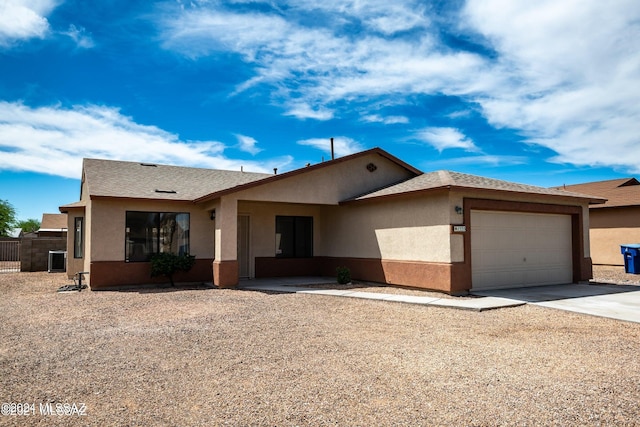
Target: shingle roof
(111, 178)
(74, 205)
(53, 222)
(618, 192)
(450, 179)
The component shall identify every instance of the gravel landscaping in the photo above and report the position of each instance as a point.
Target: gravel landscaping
(615, 275)
(193, 356)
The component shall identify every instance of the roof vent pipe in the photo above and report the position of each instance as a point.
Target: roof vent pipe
(332, 154)
(275, 171)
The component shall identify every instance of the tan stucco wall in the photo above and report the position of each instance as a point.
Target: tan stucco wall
(106, 227)
(331, 184)
(407, 229)
(87, 227)
(605, 244)
(610, 228)
(74, 265)
(226, 228)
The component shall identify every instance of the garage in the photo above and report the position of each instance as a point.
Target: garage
(518, 249)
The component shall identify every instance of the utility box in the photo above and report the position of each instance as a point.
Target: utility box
(57, 261)
(631, 255)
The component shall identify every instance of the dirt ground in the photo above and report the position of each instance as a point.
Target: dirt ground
(202, 357)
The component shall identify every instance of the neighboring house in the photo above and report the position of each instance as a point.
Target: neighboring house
(53, 225)
(15, 233)
(381, 217)
(614, 223)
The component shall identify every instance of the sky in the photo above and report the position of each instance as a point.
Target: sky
(543, 93)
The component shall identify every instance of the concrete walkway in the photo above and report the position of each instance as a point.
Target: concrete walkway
(300, 285)
(621, 302)
(605, 300)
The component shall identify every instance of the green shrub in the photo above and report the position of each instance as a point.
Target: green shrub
(344, 275)
(167, 264)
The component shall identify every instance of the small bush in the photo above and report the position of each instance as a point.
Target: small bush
(167, 264)
(344, 275)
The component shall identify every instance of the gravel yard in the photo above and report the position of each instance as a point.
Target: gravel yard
(612, 274)
(190, 356)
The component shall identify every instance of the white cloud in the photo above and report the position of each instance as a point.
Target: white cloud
(570, 73)
(342, 145)
(442, 138)
(476, 160)
(199, 32)
(311, 68)
(564, 74)
(376, 15)
(459, 114)
(248, 144)
(80, 37)
(303, 111)
(24, 19)
(387, 120)
(53, 140)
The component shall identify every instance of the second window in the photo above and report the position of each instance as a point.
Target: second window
(294, 236)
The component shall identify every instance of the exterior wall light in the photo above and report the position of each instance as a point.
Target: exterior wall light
(458, 210)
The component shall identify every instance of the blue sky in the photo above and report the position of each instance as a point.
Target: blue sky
(544, 93)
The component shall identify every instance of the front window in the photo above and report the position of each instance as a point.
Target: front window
(149, 233)
(78, 238)
(294, 236)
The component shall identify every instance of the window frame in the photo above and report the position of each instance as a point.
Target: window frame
(154, 240)
(300, 241)
(78, 237)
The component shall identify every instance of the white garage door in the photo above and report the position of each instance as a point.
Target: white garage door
(510, 249)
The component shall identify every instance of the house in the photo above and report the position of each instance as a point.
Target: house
(14, 233)
(53, 225)
(615, 222)
(370, 211)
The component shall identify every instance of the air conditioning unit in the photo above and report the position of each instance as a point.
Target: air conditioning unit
(57, 261)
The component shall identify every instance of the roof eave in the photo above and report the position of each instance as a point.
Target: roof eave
(81, 205)
(616, 206)
(590, 200)
(395, 195)
(146, 199)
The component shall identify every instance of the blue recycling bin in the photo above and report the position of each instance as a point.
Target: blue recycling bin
(631, 258)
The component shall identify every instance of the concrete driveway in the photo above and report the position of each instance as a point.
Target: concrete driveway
(619, 302)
